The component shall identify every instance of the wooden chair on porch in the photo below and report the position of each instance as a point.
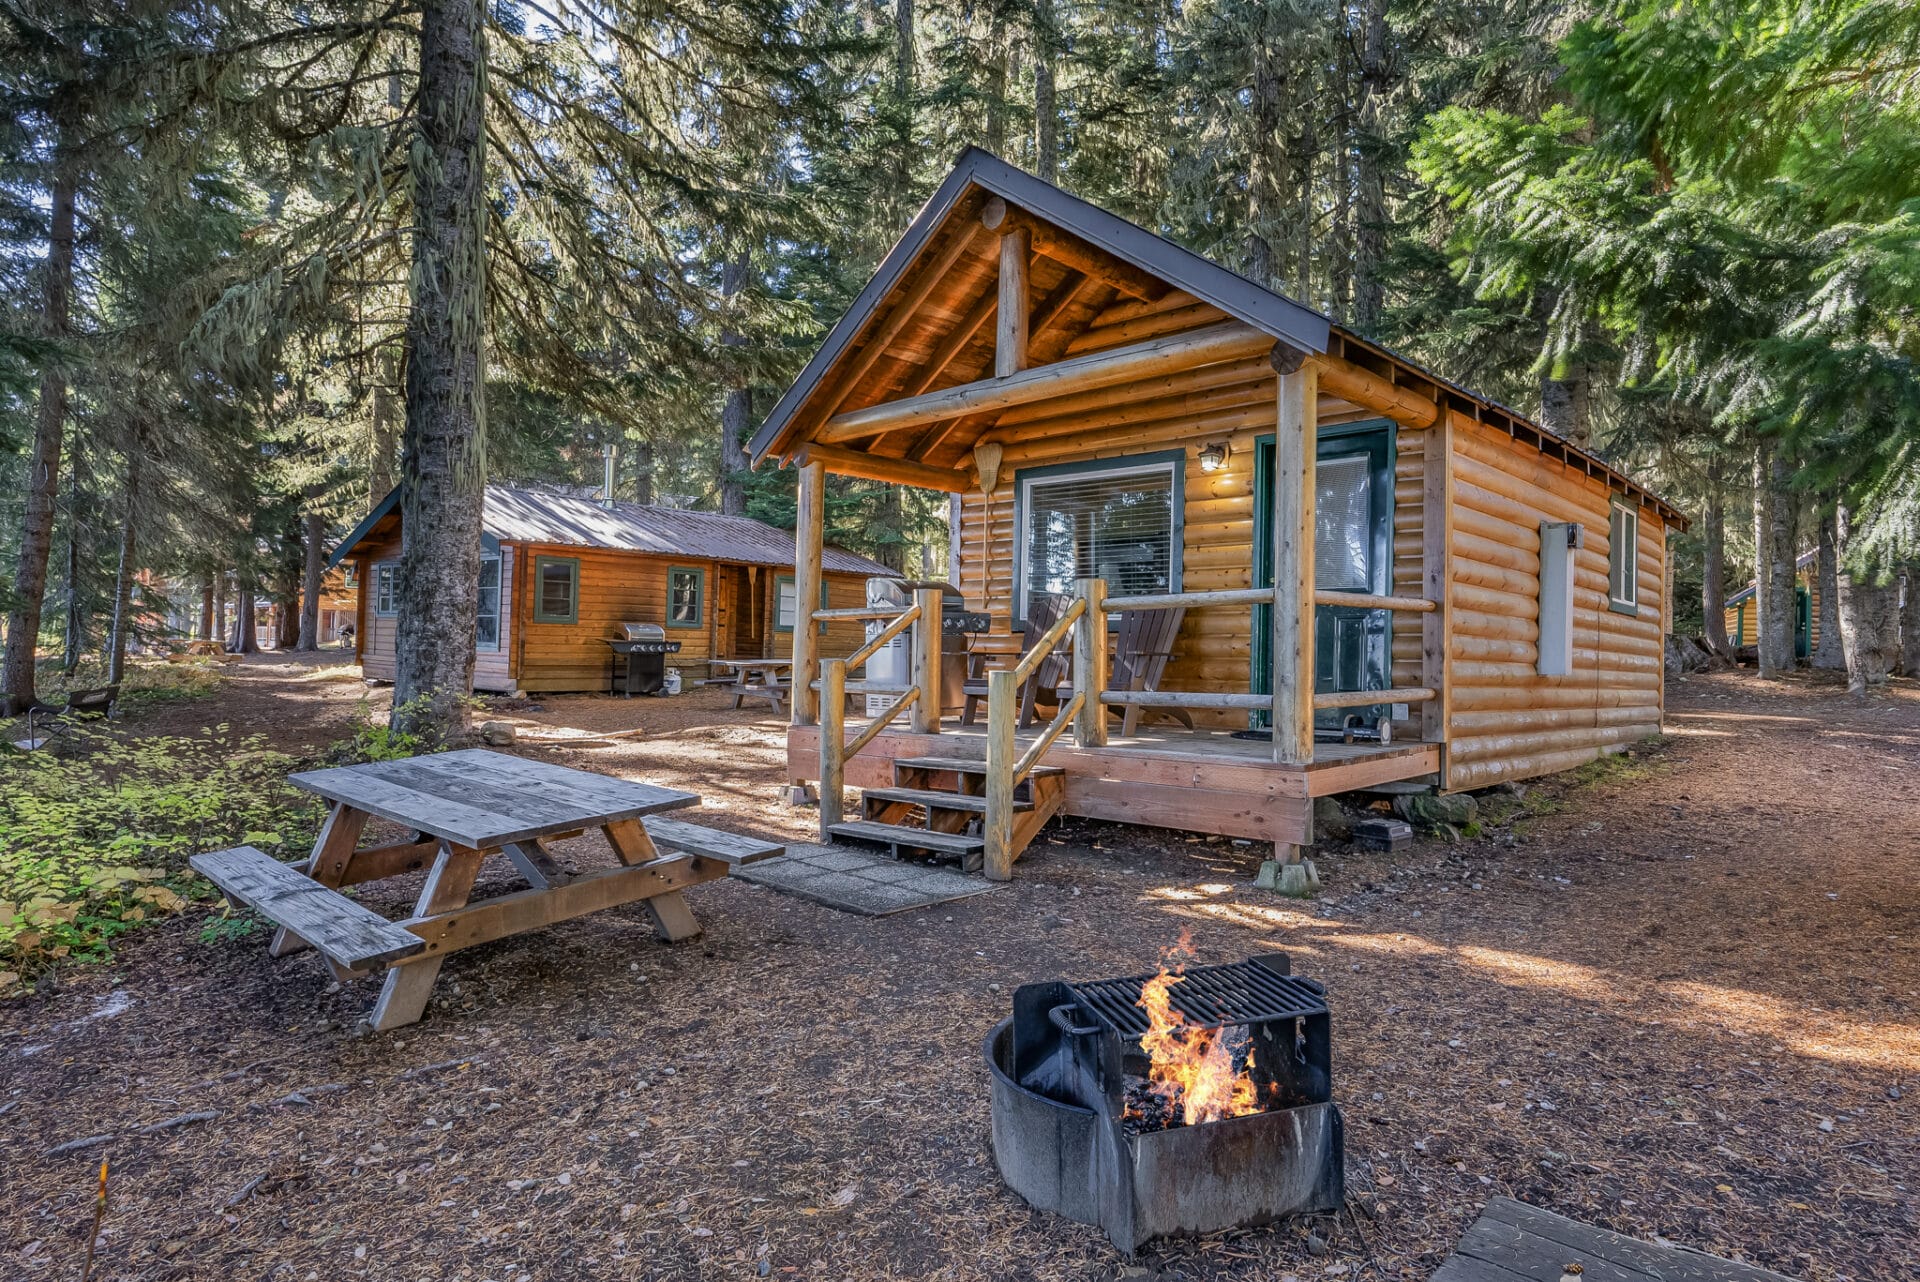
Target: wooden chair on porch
(1043, 611)
(1142, 644)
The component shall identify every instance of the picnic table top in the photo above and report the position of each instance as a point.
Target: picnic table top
(754, 663)
(484, 800)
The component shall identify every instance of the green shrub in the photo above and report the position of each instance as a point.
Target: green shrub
(95, 837)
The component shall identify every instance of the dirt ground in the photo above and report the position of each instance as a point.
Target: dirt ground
(1678, 998)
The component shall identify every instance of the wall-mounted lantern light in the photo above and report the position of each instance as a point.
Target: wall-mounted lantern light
(1213, 456)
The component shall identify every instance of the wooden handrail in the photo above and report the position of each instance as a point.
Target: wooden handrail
(1038, 748)
(1040, 649)
(1371, 601)
(872, 729)
(1184, 699)
(1361, 698)
(854, 612)
(884, 635)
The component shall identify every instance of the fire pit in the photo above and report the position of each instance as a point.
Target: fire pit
(1189, 1101)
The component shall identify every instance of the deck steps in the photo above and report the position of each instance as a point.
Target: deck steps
(964, 766)
(899, 836)
(932, 799)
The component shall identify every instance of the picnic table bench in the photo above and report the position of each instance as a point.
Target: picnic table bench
(460, 808)
(1514, 1242)
(755, 679)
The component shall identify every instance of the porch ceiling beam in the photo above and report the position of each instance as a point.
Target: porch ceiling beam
(1224, 342)
(895, 471)
(1070, 251)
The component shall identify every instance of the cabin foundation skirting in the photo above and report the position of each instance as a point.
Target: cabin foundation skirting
(1192, 791)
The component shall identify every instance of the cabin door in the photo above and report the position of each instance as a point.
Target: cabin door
(1352, 552)
(742, 621)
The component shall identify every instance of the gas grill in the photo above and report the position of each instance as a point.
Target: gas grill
(1069, 1076)
(639, 663)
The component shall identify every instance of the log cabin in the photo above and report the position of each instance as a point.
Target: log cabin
(1743, 609)
(1384, 576)
(559, 574)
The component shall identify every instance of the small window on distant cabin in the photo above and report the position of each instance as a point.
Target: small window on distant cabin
(1623, 560)
(556, 591)
(385, 600)
(783, 599)
(685, 588)
(487, 609)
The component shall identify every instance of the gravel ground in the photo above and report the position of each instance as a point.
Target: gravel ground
(1674, 996)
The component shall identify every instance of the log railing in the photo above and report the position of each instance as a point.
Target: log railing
(1007, 766)
(920, 697)
(1091, 659)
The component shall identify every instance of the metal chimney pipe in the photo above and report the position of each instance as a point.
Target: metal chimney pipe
(608, 453)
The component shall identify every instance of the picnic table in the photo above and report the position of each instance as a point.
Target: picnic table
(767, 679)
(460, 809)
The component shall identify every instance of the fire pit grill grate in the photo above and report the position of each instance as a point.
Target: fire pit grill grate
(1208, 996)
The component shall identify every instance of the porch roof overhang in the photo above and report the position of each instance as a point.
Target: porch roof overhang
(909, 352)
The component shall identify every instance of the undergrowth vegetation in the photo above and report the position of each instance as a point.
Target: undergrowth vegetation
(95, 834)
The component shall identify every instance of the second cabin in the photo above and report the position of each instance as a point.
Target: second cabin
(560, 574)
(1231, 556)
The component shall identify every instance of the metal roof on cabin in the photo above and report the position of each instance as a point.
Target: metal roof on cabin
(1264, 309)
(537, 516)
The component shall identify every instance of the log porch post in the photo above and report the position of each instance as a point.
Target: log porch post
(1295, 428)
(1090, 663)
(924, 716)
(1010, 334)
(808, 533)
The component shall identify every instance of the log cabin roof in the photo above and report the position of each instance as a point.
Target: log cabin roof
(514, 515)
(922, 324)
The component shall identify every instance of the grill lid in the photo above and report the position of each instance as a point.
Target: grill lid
(642, 632)
(1209, 996)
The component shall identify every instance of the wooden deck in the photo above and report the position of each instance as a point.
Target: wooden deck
(1514, 1242)
(1166, 777)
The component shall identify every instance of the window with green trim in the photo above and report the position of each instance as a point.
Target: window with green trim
(486, 632)
(386, 600)
(783, 598)
(1623, 560)
(556, 589)
(686, 595)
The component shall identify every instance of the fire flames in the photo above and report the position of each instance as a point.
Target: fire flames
(1192, 1068)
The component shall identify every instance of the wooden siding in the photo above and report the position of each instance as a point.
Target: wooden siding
(1749, 611)
(615, 587)
(1507, 721)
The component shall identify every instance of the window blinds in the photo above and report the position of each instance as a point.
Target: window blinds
(1115, 525)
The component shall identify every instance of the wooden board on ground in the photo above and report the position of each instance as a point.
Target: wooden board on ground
(1514, 1242)
(342, 930)
(484, 800)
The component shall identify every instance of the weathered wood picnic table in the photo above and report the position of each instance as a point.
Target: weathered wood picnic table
(1514, 1242)
(757, 679)
(460, 808)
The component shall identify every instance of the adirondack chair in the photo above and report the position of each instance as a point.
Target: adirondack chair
(1043, 611)
(1142, 644)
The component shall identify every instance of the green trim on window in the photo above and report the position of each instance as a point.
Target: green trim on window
(1175, 461)
(540, 612)
(390, 572)
(1625, 570)
(699, 574)
(778, 579)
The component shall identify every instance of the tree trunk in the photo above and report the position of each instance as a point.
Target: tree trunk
(205, 630)
(17, 691)
(1713, 572)
(1868, 618)
(643, 491)
(1831, 652)
(443, 466)
(1566, 406)
(123, 579)
(1777, 566)
(220, 609)
(76, 627)
(246, 626)
(736, 416)
(903, 90)
(312, 569)
(1266, 202)
(1046, 122)
(1910, 623)
(1370, 186)
(386, 434)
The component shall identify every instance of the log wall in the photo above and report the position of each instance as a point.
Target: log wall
(1506, 720)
